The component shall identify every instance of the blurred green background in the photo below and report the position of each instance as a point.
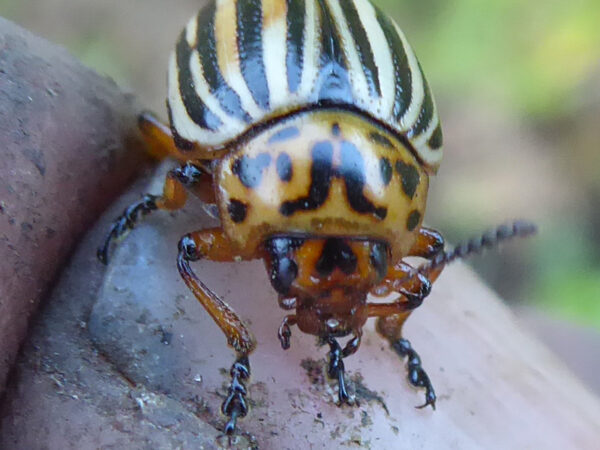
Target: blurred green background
(518, 88)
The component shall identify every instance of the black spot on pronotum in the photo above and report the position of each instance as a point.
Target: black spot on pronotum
(381, 139)
(285, 134)
(385, 167)
(380, 212)
(320, 175)
(284, 167)
(410, 177)
(249, 170)
(413, 220)
(335, 129)
(237, 210)
(352, 170)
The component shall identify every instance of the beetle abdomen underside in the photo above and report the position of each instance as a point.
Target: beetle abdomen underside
(241, 62)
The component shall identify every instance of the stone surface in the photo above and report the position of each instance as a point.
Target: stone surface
(156, 372)
(68, 140)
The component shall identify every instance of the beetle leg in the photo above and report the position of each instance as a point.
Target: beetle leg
(235, 405)
(159, 139)
(174, 197)
(157, 135)
(428, 244)
(285, 333)
(213, 244)
(391, 319)
(336, 364)
(414, 287)
(336, 369)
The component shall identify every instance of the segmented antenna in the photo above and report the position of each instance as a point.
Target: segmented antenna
(489, 239)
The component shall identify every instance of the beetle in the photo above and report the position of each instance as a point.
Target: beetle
(310, 130)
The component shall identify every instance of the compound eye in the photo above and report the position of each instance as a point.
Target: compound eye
(283, 273)
(379, 258)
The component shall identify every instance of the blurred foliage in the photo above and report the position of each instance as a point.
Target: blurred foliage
(568, 280)
(528, 55)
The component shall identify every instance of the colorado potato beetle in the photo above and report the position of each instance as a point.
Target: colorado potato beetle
(309, 127)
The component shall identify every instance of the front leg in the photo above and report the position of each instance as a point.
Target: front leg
(413, 287)
(214, 245)
(391, 318)
(336, 369)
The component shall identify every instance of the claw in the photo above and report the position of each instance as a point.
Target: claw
(336, 371)
(416, 374)
(430, 399)
(284, 334)
(125, 222)
(235, 404)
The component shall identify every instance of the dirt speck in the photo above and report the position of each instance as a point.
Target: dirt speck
(364, 393)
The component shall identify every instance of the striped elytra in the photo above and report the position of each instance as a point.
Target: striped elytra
(239, 64)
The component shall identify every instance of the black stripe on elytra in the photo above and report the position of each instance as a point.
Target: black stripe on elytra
(296, 11)
(402, 73)
(250, 49)
(284, 134)
(207, 49)
(284, 167)
(385, 167)
(320, 175)
(426, 113)
(363, 45)
(413, 220)
(436, 140)
(237, 210)
(381, 139)
(352, 170)
(410, 177)
(333, 80)
(249, 170)
(180, 143)
(336, 253)
(195, 107)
